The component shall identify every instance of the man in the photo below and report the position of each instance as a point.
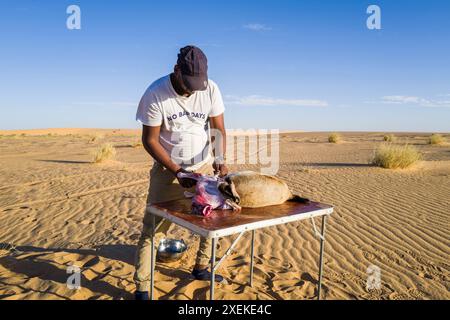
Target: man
(175, 111)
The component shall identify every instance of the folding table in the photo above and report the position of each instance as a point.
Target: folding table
(223, 223)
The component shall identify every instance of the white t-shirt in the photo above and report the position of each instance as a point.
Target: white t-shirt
(183, 120)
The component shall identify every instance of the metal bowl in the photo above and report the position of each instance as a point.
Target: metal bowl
(171, 250)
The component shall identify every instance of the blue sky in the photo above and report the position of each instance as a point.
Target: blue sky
(292, 65)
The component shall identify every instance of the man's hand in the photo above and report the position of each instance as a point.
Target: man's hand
(220, 168)
(185, 182)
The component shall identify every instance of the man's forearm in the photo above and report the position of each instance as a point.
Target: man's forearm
(220, 144)
(155, 149)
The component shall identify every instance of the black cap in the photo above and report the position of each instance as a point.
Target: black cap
(194, 68)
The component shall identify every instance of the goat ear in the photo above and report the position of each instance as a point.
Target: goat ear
(223, 188)
(233, 191)
(228, 190)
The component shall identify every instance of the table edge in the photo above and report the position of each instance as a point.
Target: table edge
(238, 229)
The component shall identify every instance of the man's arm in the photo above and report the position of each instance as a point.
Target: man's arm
(219, 142)
(150, 140)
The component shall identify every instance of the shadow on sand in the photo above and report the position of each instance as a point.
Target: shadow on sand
(27, 261)
(336, 164)
(66, 161)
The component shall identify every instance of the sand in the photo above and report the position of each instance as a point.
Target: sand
(59, 209)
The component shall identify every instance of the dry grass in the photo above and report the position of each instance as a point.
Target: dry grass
(46, 135)
(104, 152)
(396, 157)
(75, 136)
(389, 138)
(95, 138)
(436, 139)
(334, 138)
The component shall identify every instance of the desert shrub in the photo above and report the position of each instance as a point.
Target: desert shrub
(389, 138)
(334, 138)
(395, 157)
(104, 152)
(436, 139)
(95, 137)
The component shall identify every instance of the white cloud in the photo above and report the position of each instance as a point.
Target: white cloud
(257, 27)
(414, 100)
(255, 100)
(401, 99)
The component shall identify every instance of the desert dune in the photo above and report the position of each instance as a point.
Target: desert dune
(57, 208)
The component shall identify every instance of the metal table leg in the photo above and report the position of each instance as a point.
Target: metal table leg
(251, 258)
(152, 263)
(322, 245)
(213, 261)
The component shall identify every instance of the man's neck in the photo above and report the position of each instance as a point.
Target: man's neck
(176, 87)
